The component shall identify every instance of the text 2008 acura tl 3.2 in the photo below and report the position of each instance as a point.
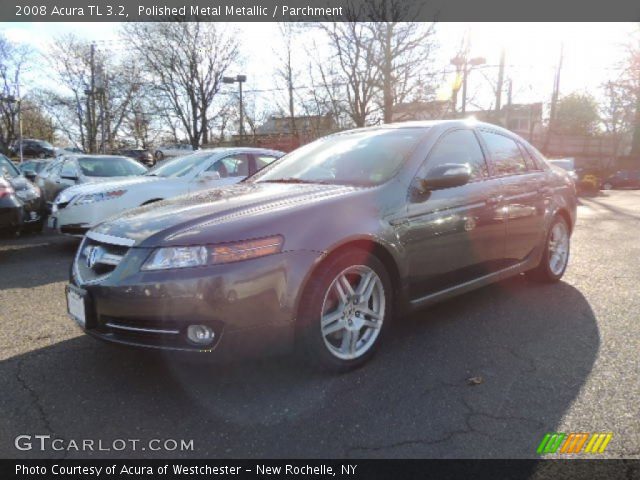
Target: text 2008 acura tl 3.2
(323, 248)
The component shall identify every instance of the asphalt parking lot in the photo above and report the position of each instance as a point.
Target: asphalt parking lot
(562, 357)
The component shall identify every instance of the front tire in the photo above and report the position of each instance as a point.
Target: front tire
(556, 253)
(345, 311)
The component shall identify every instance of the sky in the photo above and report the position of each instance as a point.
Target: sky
(592, 53)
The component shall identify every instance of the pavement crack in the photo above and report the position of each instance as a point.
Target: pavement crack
(34, 396)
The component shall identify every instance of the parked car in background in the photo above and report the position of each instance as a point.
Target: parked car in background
(31, 168)
(568, 164)
(141, 155)
(68, 151)
(79, 208)
(174, 150)
(21, 192)
(34, 148)
(70, 170)
(622, 179)
(327, 244)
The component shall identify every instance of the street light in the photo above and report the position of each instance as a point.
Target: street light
(466, 65)
(240, 79)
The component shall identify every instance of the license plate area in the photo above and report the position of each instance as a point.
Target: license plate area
(77, 304)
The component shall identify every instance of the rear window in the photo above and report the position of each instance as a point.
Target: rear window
(110, 167)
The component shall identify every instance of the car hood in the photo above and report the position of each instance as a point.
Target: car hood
(172, 220)
(105, 184)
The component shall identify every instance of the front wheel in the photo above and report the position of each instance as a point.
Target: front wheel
(345, 311)
(556, 253)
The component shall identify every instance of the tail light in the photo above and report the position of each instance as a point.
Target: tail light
(6, 190)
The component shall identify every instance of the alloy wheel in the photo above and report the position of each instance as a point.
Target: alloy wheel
(353, 311)
(558, 248)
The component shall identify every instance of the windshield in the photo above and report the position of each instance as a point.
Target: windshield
(110, 167)
(359, 158)
(44, 144)
(7, 168)
(181, 166)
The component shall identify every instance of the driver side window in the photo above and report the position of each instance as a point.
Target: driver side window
(233, 166)
(458, 147)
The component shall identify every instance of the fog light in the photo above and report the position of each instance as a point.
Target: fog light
(200, 334)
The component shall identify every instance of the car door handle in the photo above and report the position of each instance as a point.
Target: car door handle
(495, 199)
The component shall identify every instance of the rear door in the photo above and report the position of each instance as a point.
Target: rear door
(457, 234)
(524, 193)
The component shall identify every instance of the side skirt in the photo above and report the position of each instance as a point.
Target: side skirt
(450, 292)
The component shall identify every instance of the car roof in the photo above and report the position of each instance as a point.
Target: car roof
(440, 124)
(240, 150)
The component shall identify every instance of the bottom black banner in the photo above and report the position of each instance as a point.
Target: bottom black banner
(343, 469)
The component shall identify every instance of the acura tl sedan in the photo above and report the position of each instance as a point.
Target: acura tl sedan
(326, 246)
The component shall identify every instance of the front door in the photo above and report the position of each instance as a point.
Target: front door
(456, 234)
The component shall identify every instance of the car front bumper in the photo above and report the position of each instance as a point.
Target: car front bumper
(76, 220)
(251, 305)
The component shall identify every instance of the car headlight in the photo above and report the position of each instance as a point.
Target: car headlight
(99, 197)
(182, 257)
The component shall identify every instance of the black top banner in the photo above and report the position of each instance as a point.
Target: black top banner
(316, 10)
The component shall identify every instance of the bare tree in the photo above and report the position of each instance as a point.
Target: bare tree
(94, 92)
(405, 53)
(353, 66)
(286, 70)
(13, 60)
(186, 62)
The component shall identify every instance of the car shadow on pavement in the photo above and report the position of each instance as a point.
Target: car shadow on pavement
(47, 259)
(484, 375)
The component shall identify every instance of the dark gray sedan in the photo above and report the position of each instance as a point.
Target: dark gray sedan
(326, 246)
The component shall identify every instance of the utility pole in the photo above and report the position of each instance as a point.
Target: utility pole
(91, 101)
(500, 81)
(240, 79)
(554, 98)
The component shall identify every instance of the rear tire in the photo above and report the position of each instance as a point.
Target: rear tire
(345, 311)
(556, 253)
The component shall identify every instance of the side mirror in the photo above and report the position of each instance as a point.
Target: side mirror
(30, 175)
(447, 175)
(209, 176)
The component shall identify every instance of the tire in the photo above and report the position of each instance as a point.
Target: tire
(607, 186)
(350, 337)
(551, 267)
(159, 156)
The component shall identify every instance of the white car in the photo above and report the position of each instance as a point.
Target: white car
(175, 150)
(78, 209)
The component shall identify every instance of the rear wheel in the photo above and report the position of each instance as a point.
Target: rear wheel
(556, 253)
(607, 186)
(345, 311)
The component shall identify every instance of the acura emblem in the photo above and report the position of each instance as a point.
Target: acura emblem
(93, 254)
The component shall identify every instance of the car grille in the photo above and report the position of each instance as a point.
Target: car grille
(98, 256)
